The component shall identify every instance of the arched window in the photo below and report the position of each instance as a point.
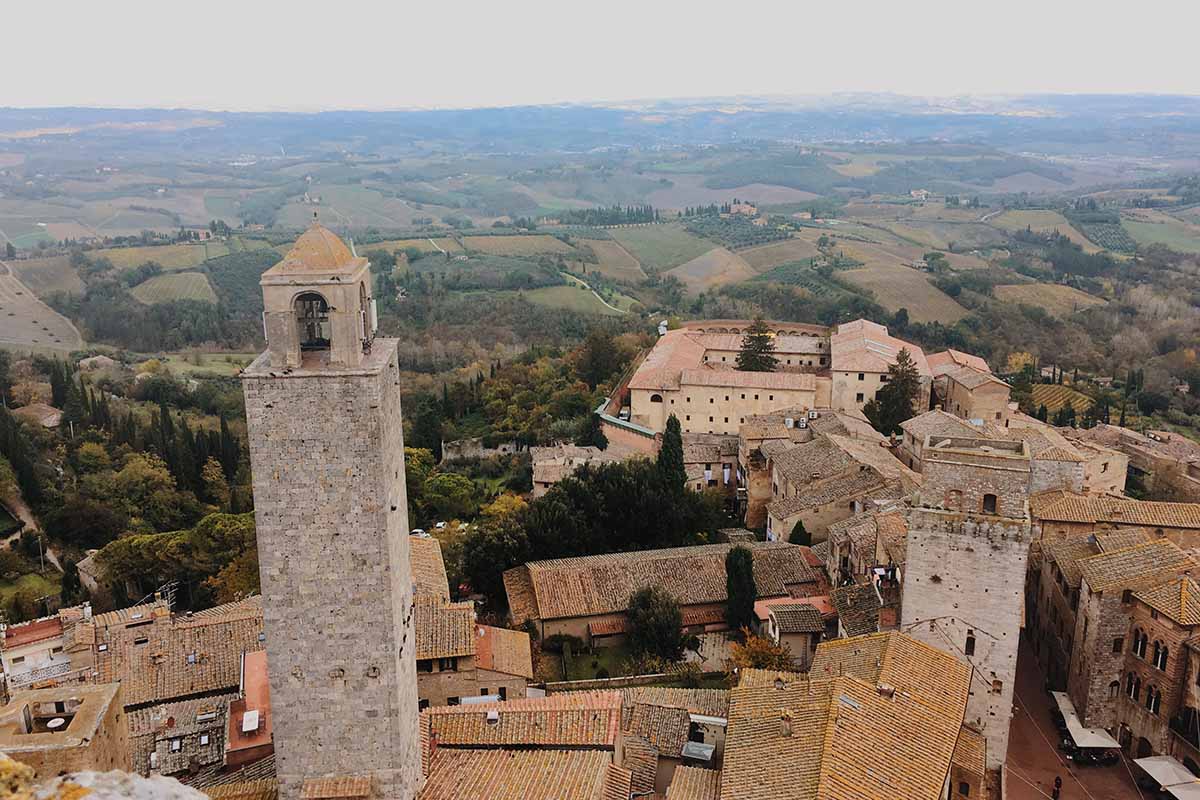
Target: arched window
(1154, 660)
(656, 398)
(1129, 681)
(1153, 699)
(312, 320)
(1161, 661)
(989, 504)
(1113, 688)
(1139, 642)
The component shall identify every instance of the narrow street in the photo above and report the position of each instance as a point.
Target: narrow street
(1033, 755)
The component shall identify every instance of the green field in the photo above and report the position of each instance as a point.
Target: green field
(175, 286)
(519, 245)
(660, 247)
(1165, 231)
(1054, 298)
(41, 586)
(207, 363)
(570, 298)
(168, 256)
(1042, 221)
(613, 261)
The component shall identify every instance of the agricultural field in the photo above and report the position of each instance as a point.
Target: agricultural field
(736, 232)
(175, 286)
(613, 261)
(44, 276)
(941, 235)
(772, 255)
(29, 324)
(575, 298)
(717, 267)
(167, 256)
(1061, 301)
(1155, 227)
(897, 287)
(660, 247)
(1054, 396)
(437, 244)
(225, 364)
(690, 190)
(1042, 221)
(1112, 236)
(520, 245)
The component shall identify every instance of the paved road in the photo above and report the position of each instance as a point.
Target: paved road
(587, 286)
(1033, 756)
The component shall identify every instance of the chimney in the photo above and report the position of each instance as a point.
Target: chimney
(785, 723)
(87, 612)
(937, 406)
(886, 690)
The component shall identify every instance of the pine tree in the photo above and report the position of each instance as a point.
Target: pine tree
(800, 535)
(893, 404)
(670, 456)
(1043, 413)
(758, 349)
(592, 434)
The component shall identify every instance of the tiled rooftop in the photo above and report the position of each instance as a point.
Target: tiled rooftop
(797, 618)
(444, 629)
(857, 607)
(525, 775)
(573, 719)
(1062, 506)
(938, 423)
(503, 650)
(664, 727)
(1135, 567)
(706, 702)
(602, 584)
(428, 568)
(1179, 600)
(694, 783)
(864, 346)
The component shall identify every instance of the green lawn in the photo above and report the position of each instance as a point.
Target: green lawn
(37, 583)
(584, 666)
(207, 363)
(571, 298)
(661, 247)
(1177, 237)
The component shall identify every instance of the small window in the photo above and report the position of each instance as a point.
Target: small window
(176, 745)
(861, 376)
(743, 397)
(422, 705)
(503, 692)
(989, 504)
(102, 648)
(770, 397)
(997, 686)
(1127, 596)
(483, 691)
(964, 788)
(19, 660)
(656, 398)
(142, 640)
(1118, 644)
(711, 401)
(191, 659)
(204, 738)
(969, 649)
(425, 665)
(858, 398)
(687, 417)
(1104, 467)
(55, 649)
(451, 701)
(755, 397)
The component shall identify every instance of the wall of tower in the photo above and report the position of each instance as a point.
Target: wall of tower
(965, 578)
(327, 452)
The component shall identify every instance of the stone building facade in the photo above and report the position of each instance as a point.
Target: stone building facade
(967, 547)
(66, 729)
(327, 451)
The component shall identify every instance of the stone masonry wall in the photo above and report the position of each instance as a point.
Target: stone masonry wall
(327, 453)
(1094, 666)
(967, 578)
(1050, 475)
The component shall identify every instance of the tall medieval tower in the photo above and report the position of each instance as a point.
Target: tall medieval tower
(326, 447)
(964, 576)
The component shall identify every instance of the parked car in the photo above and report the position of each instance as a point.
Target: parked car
(419, 533)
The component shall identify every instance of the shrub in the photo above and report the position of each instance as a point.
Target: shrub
(554, 643)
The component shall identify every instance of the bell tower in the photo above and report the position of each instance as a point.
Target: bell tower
(327, 451)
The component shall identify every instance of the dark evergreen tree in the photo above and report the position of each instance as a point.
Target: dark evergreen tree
(670, 455)
(592, 434)
(758, 349)
(72, 592)
(740, 588)
(894, 403)
(655, 624)
(800, 535)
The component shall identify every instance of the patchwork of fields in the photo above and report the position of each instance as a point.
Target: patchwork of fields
(769, 256)
(613, 261)
(175, 286)
(1042, 221)
(1054, 396)
(531, 245)
(1053, 298)
(660, 247)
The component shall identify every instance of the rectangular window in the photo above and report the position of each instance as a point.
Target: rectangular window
(176, 745)
(755, 397)
(448, 664)
(503, 691)
(727, 419)
(483, 691)
(425, 665)
(422, 705)
(711, 401)
(862, 376)
(858, 398)
(884, 378)
(1118, 644)
(142, 640)
(743, 397)
(204, 738)
(451, 701)
(19, 660)
(770, 397)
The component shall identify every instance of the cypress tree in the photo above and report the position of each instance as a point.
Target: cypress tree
(740, 591)
(670, 456)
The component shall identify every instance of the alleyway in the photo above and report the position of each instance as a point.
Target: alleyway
(1033, 755)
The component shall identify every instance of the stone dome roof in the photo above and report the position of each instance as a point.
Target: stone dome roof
(317, 250)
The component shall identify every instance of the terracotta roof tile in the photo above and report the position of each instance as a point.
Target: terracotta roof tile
(1061, 506)
(428, 567)
(706, 702)
(857, 607)
(937, 423)
(318, 249)
(525, 775)
(970, 752)
(503, 650)
(1135, 567)
(784, 381)
(1068, 552)
(602, 584)
(947, 360)
(664, 727)
(864, 346)
(797, 618)
(1179, 600)
(336, 787)
(264, 789)
(572, 719)
(973, 378)
(444, 629)
(694, 783)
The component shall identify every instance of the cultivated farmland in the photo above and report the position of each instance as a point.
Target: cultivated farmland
(897, 287)
(28, 323)
(660, 247)
(45, 276)
(434, 245)
(1042, 221)
(768, 256)
(571, 298)
(717, 267)
(175, 286)
(531, 245)
(1148, 227)
(168, 256)
(1054, 396)
(1053, 298)
(613, 261)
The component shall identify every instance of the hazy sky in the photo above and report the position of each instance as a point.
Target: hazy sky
(263, 54)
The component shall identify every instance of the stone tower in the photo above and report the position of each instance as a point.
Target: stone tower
(964, 577)
(326, 447)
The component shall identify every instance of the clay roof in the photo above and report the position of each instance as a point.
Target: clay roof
(972, 378)
(864, 346)
(444, 629)
(168, 658)
(1135, 567)
(797, 618)
(706, 702)
(428, 568)
(970, 753)
(1067, 553)
(247, 778)
(1179, 600)
(792, 381)
(677, 358)
(695, 783)
(262, 789)
(336, 787)
(34, 631)
(602, 584)
(525, 775)
(318, 249)
(503, 650)
(785, 345)
(847, 734)
(843, 485)
(1120, 539)
(707, 448)
(949, 360)
(571, 719)
(664, 727)
(674, 352)
(938, 423)
(39, 414)
(1063, 506)
(857, 607)
(178, 719)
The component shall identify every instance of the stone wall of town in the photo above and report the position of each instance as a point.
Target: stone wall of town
(965, 582)
(959, 476)
(327, 452)
(1047, 476)
(107, 750)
